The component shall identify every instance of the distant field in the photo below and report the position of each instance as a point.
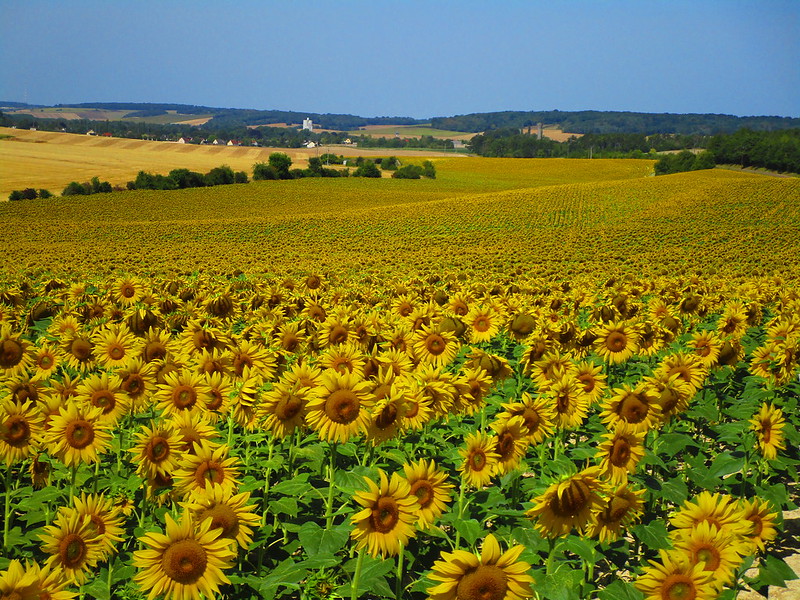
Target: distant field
(42, 159)
(389, 131)
(70, 114)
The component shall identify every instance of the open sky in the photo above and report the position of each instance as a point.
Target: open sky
(418, 58)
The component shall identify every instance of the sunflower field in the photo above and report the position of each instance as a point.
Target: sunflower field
(525, 379)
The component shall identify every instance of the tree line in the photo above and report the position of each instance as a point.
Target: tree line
(278, 166)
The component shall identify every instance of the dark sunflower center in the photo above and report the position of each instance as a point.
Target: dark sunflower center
(678, 587)
(288, 408)
(532, 419)
(766, 431)
(385, 515)
(240, 362)
(477, 460)
(105, 400)
(11, 353)
(405, 309)
(572, 500)
(289, 342)
(710, 556)
(79, 434)
(81, 349)
(17, 431)
(133, 384)
(216, 400)
(413, 410)
(620, 453)
(154, 351)
(342, 406)
(222, 517)
(487, 582)
(505, 445)
(387, 416)
(209, 472)
(668, 400)
(423, 490)
(72, 551)
(127, 291)
(203, 340)
(116, 352)
(587, 381)
(338, 334)
(185, 561)
(435, 344)
(617, 509)
(46, 361)
(758, 525)
(633, 409)
(563, 403)
(184, 396)
(482, 324)
(98, 524)
(158, 449)
(616, 341)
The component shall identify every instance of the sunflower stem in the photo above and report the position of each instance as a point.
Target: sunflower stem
(551, 555)
(267, 473)
(331, 488)
(96, 473)
(398, 583)
(460, 510)
(72, 477)
(230, 431)
(357, 575)
(7, 508)
(110, 573)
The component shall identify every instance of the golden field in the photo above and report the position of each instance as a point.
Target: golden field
(50, 160)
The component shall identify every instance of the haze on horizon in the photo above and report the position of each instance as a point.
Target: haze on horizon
(416, 58)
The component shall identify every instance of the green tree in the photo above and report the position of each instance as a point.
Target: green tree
(45, 194)
(240, 177)
(263, 171)
(408, 172)
(15, 196)
(76, 189)
(223, 175)
(428, 170)
(367, 169)
(281, 162)
(185, 178)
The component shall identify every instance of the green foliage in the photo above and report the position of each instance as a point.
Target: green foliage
(408, 172)
(367, 169)
(262, 171)
(281, 162)
(184, 178)
(389, 164)
(222, 175)
(428, 169)
(684, 161)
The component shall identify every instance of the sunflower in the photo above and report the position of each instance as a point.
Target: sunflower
(592, 378)
(20, 430)
(673, 394)
(616, 342)
(64, 325)
(386, 520)
(759, 512)
(210, 466)
(653, 337)
(511, 442)
(473, 386)
(623, 507)
(619, 452)
(438, 387)
(673, 578)
(495, 366)
(429, 485)
(249, 355)
(127, 290)
(570, 402)
(19, 583)
(228, 513)
(768, 424)
(637, 406)
(45, 359)
(158, 345)
(115, 345)
(307, 376)
(387, 416)
(138, 382)
(335, 330)
(719, 510)
(496, 575)
(551, 368)
(419, 411)
(78, 435)
(202, 335)
(433, 347)
(78, 352)
(105, 521)
(733, 321)
(212, 361)
(396, 361)
(339, 407)
(687, 366)
(158, 449)
(40, 471)
(15, 353)
(104, 391)
(719, 553)
(183, 390)
(706, 346)
(538, 415)
(571, 503)
(284, 408)
(290, 338)
(483, 323)
(73, 544)
(193, 428)
(347, 358)
(246, 401)
(51, 582)
(185, 562)
(480, 460)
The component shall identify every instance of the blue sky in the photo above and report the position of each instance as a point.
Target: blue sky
(408, 58)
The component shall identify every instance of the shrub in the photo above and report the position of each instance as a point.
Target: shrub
(220, 176)
(74, 189)
(367, 169)
(428, 170)
(15, 196)
(28, 194)
(408, 172)
(45, 194)
(263, 171)
(185, 178)
(240, 177)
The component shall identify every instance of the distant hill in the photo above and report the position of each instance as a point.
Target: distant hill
(583, 122)
(593, 121)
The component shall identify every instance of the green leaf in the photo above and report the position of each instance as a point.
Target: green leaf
(675, 491)
(653, 535)
(564, 584)
(286, 506)
(620, 590)
(773, 571)
(298, 486)
(672, 444)
(287, 574)
(98, 588)
(470, 530)
(320, 561)
(372, 579)
(582, 547)
(316, 540)
(725, 464)
(123, 573)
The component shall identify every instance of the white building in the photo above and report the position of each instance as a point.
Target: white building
(308, 124)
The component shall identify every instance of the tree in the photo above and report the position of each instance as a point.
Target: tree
(262, 171)
(428, 170)
(29, 194)
(45, 194)
(367, 169)
(390, 164)
(281, 163)
(76, 189)
(240, 177)
(704, 160)
(15, 196)
(408, 172)
(185, 178)
(223, 175)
